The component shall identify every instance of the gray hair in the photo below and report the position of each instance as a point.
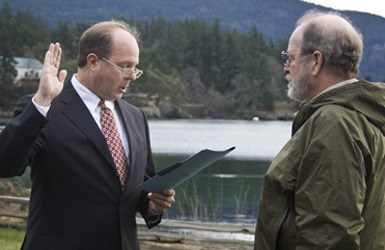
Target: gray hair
(335, 37)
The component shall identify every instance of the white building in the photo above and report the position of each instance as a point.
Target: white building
(27, 69)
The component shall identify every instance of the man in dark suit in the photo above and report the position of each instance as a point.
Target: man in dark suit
(79, 199)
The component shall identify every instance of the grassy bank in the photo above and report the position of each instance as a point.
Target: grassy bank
(11, 239)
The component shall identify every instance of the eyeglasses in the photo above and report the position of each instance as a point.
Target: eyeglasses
(126, 71)
(286, 57)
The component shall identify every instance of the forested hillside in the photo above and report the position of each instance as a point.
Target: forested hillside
(215, 59)
(275, 19)
(192, 68)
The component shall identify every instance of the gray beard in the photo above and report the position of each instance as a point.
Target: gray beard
(297, 87)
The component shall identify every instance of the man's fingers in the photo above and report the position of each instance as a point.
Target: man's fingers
(48, 55)
(62, 75)
(57, 55)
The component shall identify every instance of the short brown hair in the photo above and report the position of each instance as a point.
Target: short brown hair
(97, 39)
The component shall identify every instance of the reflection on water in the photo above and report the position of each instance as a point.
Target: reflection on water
(228, 190)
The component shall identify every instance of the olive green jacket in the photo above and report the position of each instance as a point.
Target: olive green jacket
(326, 188)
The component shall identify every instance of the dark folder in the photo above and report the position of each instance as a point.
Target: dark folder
(174, 175)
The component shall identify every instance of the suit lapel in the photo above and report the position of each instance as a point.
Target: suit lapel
(76, 111)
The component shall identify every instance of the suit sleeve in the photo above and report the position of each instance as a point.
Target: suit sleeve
(19, 136)
(151, 220)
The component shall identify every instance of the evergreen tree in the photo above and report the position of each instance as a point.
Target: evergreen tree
(31, 38)
(64, 35)
(211, 58)
(195, 43)
(7, 48)
(231, 61)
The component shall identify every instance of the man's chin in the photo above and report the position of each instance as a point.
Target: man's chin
(292, 95)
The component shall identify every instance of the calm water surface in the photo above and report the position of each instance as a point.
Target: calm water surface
(253, 140)
(228, 190)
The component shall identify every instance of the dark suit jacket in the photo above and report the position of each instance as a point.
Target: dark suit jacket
(76, 200)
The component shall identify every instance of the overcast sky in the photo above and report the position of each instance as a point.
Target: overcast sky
(371, 6)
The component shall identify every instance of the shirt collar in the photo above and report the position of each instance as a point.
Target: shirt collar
(340, 84)
(89, 98)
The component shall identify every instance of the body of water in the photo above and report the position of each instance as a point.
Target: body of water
(228, 190)
(252, 139)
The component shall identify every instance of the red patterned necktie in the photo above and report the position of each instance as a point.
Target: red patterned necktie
(110, 131)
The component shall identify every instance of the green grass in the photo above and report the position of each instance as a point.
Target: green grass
(11, 239)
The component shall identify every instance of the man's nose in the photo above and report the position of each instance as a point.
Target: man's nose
(286, 68)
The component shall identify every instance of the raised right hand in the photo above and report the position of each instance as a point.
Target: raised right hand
(51, 80)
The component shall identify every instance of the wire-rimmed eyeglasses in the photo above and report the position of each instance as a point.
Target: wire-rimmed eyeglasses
(287, 57)
(126, 71)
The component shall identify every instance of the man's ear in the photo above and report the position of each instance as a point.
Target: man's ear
(92, 60)
(317, 62)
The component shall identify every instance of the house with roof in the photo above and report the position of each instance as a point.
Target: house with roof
(28, 69)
